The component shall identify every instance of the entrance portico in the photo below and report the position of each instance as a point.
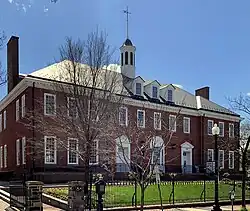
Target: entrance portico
(187, 157)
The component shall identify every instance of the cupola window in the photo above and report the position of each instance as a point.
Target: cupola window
(131, 58)
(122, 59)
(126, 57)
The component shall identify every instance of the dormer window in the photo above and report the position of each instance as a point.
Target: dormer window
(155, 92)
(170, 95)
(138, 88)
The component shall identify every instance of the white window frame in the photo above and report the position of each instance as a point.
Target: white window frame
(223, 162)
(210, 150)
(229, 129)
(97, 157)
(126, 120)
(229, 162)
(55, 150)
(188, 120)
(138, 123)
(4, 120)
(18, 152)
(1, 122)
(156, 88)
(24, 150)
(210, 132)
(17, 110)
(136, 89)
(1, 157)
(23, 110)
(222, 130)
(5, 156)
(45, 113)
(68, 152)
(155, 120)
(169, 121)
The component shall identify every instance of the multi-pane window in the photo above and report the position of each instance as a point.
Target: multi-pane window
(1, 122)
(210, 124)
(221, 159)
(123, 116)
(141, 118)
(93, 153)
(24, 150)
(210, 155)
(49, 104)
(4, 120)
(17, 152)
(155, 92)
(72, 107)
(17, 110)
(156, 157)
(50, 150)
(5, 156)
(23, 110)
(1, 157)
(157, 121)
(221, 126)
(231, 160)
(172, 123)
(123, 154)
(73, 156)
(170, 95)
(186, 125)
(138, 88)
(231, 130)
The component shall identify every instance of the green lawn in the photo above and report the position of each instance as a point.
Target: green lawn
(184, 192)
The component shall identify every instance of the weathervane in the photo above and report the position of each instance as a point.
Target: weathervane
(127, 13)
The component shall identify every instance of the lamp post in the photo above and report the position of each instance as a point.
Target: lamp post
(216, 132)
(100, 190)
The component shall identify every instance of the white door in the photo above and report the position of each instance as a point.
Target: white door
(186, 165)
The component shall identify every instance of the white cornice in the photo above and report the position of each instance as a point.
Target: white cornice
(43, 84)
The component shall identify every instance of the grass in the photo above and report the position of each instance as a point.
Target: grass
(183, 192)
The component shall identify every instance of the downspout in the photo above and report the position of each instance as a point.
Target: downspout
(202, 139)
(33, 128)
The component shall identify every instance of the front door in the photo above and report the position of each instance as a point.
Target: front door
(186, 165)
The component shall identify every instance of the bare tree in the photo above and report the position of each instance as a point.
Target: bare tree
(89, 91)
(2, 72)
(242, 104)
(142, 152)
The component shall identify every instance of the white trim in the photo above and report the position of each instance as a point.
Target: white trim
(1, 122)
(211, 121)
(17, 110)
(229, 130)
(123, 142)
(139, 94)
(155, 124)
(43, 84)
(77, 150)
(97, 157)
(169, 127)
(23, 104)
(1, 157)
(232, 164)
(24, 150)
(210, 150)
(222, 123)
(5, 158)
(44, 102)
(157, 141)
(68, 108)
(126, 120)
(4, 119)
(223, 162)
(187, 148)
(55, 149)
(188, 119)
(18, 152)
(143, 111)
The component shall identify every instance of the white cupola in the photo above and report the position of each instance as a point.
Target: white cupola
(128, 59)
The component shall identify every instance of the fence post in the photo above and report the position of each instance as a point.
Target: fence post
(173, 189)
(34, 195)
(204, 190)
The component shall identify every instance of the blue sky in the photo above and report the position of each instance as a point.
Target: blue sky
(193, 43)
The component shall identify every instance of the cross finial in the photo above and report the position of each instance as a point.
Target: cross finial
(127, 13)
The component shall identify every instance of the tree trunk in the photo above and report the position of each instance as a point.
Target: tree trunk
(142, 196)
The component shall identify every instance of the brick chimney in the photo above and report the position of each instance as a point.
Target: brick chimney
(203, 92)
(12, 62)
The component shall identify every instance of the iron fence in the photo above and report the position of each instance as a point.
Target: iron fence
(18, 193)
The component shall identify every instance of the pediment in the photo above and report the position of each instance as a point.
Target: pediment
(187, 145)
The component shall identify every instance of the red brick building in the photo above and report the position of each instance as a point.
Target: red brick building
(191, 146)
